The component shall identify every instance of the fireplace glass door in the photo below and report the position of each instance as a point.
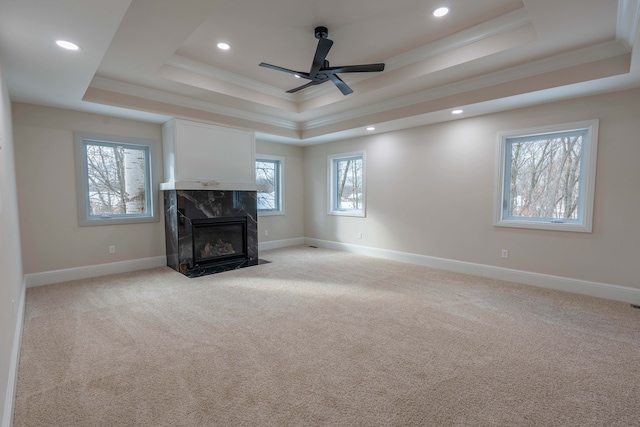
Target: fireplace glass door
(218, 240)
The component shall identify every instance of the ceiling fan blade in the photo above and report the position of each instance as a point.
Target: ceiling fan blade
(364, 68)
(286, 70)
(321, 53)
(311, 83)
(320, 70)
(346, 90)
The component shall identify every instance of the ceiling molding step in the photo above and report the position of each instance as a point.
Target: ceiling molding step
(531, 84)
(420, 74)
(210, 71)
(316, 91)
(214, 86)
(507, 22)
(501, 24)
(213, 78)
(628, 22)
(122, 88)
(579, 57)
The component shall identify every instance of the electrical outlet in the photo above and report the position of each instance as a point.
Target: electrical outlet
(112, 249)
(266, 232)
(359, 235)
(505, 253)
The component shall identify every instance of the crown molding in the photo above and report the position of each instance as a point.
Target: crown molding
(507, 22)
(512, 20)
(503, 23)
(628, 22)
(212, 72)
(217, 73)
(184, 101)
(578, 57)
(500, 24)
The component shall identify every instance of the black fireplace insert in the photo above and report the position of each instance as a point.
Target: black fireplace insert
(219, 240)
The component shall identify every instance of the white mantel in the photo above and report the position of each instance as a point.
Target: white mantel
(210, 185)
(200, 156)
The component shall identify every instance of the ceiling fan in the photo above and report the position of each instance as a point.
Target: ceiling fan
(321, 71)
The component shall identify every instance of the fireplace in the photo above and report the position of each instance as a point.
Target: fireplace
(210, 190)
(210, 231)
(219, 240)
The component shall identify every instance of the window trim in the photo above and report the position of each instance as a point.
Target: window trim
(332, 159)
(588, 166)
(281, 211)
(82, 180)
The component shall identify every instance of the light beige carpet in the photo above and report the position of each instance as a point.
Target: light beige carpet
(320, 337)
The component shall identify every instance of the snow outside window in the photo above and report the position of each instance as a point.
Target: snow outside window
(269, 172)
(347, 184)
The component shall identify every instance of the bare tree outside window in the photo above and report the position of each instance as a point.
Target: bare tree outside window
(545, 176)
(349, 182)
(268, 174)
(116, 179)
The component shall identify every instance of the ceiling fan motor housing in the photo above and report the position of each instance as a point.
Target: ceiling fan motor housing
(321, 32)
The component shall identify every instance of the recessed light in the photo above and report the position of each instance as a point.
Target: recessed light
(457, 112)
(440, 12)
(67, 45)
(223, 46)
(370, 128)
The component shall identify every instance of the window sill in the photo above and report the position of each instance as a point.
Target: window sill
(117, 221)
(270, 213)
(359, 214)
(543, 225)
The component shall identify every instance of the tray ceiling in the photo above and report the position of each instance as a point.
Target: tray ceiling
(155, 59)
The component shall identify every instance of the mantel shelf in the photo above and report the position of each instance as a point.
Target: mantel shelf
(211, 185)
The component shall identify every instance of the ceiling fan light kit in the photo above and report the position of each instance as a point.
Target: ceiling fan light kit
(321, 71)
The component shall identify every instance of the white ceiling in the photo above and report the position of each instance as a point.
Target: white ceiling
(155, 59)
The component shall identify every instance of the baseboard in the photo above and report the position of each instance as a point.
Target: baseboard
(577, 286)
(583, 287)
(276, 244)
(12, 380)
(57, 276)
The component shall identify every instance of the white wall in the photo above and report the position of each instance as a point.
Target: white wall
(291, 224)
(430, 191)
(11, 282)
(51, 237)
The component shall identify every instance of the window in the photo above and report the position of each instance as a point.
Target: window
(547, 177)
(115, 180)
(269, 172)
(346, 184)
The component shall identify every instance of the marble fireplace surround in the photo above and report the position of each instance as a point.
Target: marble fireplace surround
(184, 207)
(209, 173)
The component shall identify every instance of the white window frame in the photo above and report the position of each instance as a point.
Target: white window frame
(332, 184)
(280, 181)
(82, 185)
(584, 223)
